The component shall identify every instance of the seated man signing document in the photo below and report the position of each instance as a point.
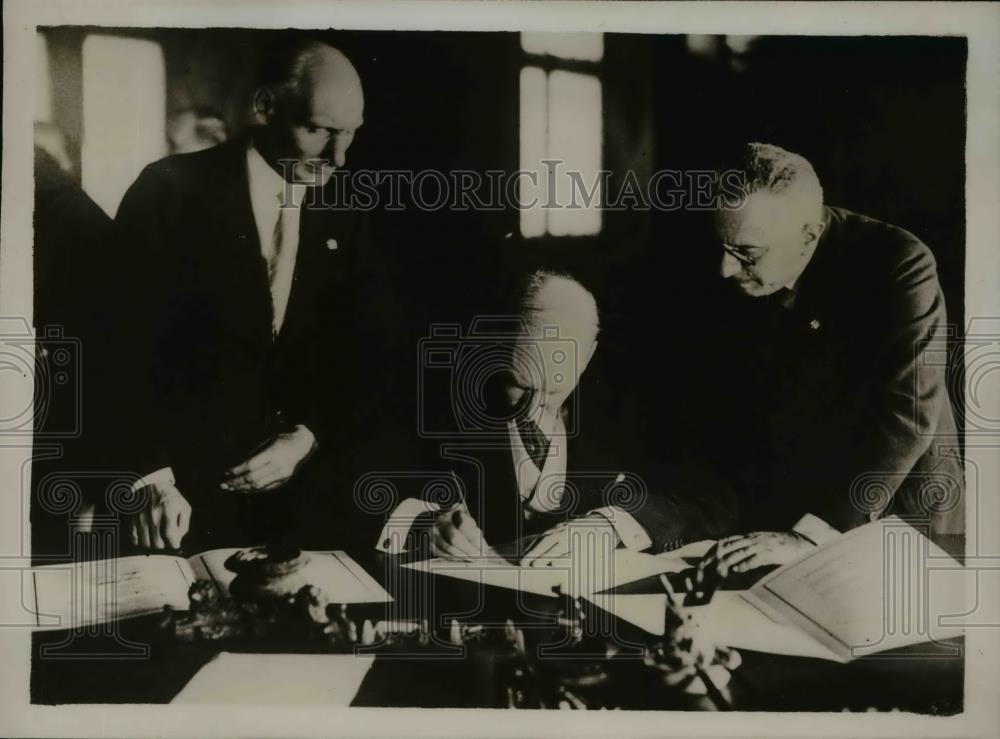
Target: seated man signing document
(533, 471)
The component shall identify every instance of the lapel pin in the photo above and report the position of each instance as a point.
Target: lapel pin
(620, 478)
(814, 324)
(331, 244)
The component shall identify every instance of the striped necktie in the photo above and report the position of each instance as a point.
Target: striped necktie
(535, 442)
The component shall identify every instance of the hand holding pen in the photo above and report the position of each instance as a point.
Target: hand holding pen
(456, 535)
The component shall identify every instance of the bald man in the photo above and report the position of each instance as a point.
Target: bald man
(244, 339)
(538, 470)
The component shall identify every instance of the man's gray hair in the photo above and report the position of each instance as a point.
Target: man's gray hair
(769, 168)
(575, 294)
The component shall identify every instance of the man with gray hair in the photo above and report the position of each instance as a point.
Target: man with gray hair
(545, 468)
(837, 416)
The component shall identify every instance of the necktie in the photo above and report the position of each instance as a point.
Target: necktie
(281, 265)
(535, 442)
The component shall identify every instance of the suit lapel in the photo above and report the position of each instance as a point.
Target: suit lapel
(496, 503)
(229, 202)
(306, 271)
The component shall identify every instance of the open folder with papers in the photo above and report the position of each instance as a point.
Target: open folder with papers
(83, 593)
(881, 586)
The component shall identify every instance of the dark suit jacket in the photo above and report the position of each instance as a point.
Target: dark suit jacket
(71, 318)
(204, 382)
(835, 402)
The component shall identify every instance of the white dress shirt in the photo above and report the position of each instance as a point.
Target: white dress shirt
(276, 208)
(541, 490)
(550, 482)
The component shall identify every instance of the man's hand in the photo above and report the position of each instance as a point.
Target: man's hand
(165, 519)
(456, 536)
(558, 542)
(746, 552)
(274, 465)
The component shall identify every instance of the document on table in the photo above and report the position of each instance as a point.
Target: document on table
(572, 576)
(278, 680)
(728, 620)
(881, 586)
(85, 593)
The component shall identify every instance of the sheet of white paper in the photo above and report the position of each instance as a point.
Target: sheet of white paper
(278, 680)
(103, 590)
(729, 620)
(734, 622)
(573, 576)
(498, 572)
(344, 580)
(868, 591)
(645, 611)
(19, 608)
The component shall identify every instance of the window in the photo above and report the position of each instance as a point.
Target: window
(43, 80)
(560, 134)
(124, 114)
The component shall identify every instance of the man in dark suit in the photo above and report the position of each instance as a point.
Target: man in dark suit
(70, 320)
(243, 359)
(827, 408)
(538, 461)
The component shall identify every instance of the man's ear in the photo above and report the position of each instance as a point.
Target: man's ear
(590, 355)
(263, 104)
(812, 231)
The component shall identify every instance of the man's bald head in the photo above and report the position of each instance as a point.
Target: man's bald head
(560, 324)
(549, 298)
(293, 73)
(310, 97)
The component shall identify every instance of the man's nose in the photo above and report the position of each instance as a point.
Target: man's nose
(730, 266)
(338, 151)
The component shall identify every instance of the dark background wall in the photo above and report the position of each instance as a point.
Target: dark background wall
(881, 118)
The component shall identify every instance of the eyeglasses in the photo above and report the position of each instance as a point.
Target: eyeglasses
(747, 260)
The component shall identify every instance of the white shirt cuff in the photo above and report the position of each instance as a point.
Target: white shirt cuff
(633, 535)
(304, 431)
(164, 475)
(815, 529)
(393, 536)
